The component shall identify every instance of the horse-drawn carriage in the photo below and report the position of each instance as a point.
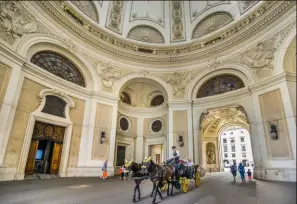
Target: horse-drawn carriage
(178, 175)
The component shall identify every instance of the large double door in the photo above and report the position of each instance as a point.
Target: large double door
(45, 150)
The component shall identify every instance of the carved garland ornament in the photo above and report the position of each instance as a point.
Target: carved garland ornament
(115, 17)
(88, 8)
(15, 21)
(177, 21)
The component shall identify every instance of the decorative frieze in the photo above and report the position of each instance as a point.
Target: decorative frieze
(132, 50)
(115, 16)
(88, 8)
(146, 33)
(177, 21)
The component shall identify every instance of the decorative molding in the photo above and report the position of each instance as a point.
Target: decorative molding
(259, 18)
(146, 33)
(195, 14)
(177, 21)
(246, 5)
(88, 8)
(211, 23)
(57, 93)
(15, 21)
(134, 16)
(115, 16)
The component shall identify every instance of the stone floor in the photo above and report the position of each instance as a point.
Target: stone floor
(216, 188)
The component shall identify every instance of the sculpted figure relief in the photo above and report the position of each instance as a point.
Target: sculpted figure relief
(179, 81)
(210, 153)
(14, 21)
(260, 58)
(108, 75)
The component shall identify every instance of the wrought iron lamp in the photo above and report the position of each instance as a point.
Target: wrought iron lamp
(103, 137)
(273, 132)
(180, 140)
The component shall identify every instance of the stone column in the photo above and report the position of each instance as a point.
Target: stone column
(139, 150)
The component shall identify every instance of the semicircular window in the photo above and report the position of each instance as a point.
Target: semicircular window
(157, 126)
(125, 98)
(158, 100)
(59, 66)
(220, 84)
(54, 106)
(124, 124)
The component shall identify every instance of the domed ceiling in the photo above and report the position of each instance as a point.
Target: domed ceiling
(163, 22)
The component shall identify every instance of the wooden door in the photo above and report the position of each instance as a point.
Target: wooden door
(158, 158)
(31, 158)
(56, 158)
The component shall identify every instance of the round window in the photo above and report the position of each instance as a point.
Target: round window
(157, 126)
(124, 124)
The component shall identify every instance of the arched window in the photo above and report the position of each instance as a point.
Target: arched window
(220, 84)
(158, 100)
(125, 98)
(59, 66)
(54, 106)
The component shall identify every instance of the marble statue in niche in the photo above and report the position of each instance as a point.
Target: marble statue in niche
(210, 153)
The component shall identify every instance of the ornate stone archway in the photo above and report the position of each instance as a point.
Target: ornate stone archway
(211, 123)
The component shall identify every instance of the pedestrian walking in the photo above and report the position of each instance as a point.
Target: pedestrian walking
(249, 173)
(122, 171)
(241, 171)
(104, 170)
(233, 170)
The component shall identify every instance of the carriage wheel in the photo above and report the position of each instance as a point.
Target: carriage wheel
(164, 187)
(197, 179)
(184, 184)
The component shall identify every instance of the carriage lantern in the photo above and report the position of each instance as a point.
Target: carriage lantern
(180, 140)
(103, 137)
(273, 132)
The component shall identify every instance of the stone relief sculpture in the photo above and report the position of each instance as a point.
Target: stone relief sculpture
(210, 153)
(179, 81)
(260, 57)
(108, 75)
(15, 21)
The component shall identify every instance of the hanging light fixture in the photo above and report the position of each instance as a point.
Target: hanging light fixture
(180, 140)
(102, 137)
(273, 132)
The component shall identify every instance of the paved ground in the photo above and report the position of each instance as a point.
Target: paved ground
(216, 188)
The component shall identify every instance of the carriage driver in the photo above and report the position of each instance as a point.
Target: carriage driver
(175, 155)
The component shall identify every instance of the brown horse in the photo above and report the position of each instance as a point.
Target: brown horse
(163, 174)
(135, 168)
(149, 167)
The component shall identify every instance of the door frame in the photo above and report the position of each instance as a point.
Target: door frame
(37, 115)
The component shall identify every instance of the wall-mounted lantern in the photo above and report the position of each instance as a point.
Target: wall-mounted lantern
(180, 140)
(102, 137)
(273, 132)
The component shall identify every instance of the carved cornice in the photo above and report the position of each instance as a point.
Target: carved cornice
(145, 112)
(232, 34)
